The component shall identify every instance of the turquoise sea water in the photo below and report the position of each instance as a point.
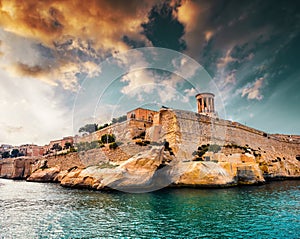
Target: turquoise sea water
(37, 210)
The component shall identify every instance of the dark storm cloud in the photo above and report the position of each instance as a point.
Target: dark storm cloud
(232, 39)
(251, 24)
(132, 43)
(163, 28)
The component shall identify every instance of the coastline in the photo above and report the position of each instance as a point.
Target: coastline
(140, 173)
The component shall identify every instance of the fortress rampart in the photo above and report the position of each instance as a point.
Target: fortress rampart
(185, 131)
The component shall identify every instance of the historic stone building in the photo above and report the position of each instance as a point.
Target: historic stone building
(141, 114)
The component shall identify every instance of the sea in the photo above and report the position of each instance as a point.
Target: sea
(47, 210)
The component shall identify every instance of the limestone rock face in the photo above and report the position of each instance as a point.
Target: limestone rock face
(155, 168)
(142, 172)
(83, 178)
(44, 175)
(16, 168)
(204, 174)
(275, 165)
(249, 174)
(60, 175)
(137, 174)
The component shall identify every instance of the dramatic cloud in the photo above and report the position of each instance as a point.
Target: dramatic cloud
(95, 20)
(63, 39)
(253, 91)
(163, 28)
(189, 93)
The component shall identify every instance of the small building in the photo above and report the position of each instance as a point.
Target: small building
(31, 150)
(141, 114)
(61, 142)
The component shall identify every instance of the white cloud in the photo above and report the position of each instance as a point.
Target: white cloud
(253, 91)
(167, 94)
(189, 93)
(184, 68)
(225, 79)
(142, 83)
(230, 78)
(139, 82)
(31, 113)
(66, 74)
(223, 62)
(133, 59)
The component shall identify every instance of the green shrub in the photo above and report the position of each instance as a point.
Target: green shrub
(214, 148)
(206, 148)
(113, 145)
(108, 138)
(83, 146)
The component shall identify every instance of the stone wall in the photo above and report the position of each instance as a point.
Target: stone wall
(123, 131)
(186, 130)
(104, 155)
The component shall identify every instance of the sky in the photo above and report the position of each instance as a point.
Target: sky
(67, 63)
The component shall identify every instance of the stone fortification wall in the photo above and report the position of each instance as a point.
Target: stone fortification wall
(123, 131)
(186, 130)
(105, 155)
(120, 130)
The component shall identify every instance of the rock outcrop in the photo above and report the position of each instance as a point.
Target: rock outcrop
(205, 174)
(153, 169)
(44, 175)
(137, 174)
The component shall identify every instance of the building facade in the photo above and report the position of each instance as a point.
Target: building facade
(141, 114)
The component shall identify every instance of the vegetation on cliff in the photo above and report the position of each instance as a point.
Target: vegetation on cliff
(90, 128)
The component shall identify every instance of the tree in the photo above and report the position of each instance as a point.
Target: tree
(103, 126)
(68, 145)
(56, 147)
(15, 153)
(89, 128)
(108, 138)
(5, 154)
(119, 120)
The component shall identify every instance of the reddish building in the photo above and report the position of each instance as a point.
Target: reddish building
(141, 114)
(32, 150)
(61, 142)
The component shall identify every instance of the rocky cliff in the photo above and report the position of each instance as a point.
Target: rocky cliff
(16, 168)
